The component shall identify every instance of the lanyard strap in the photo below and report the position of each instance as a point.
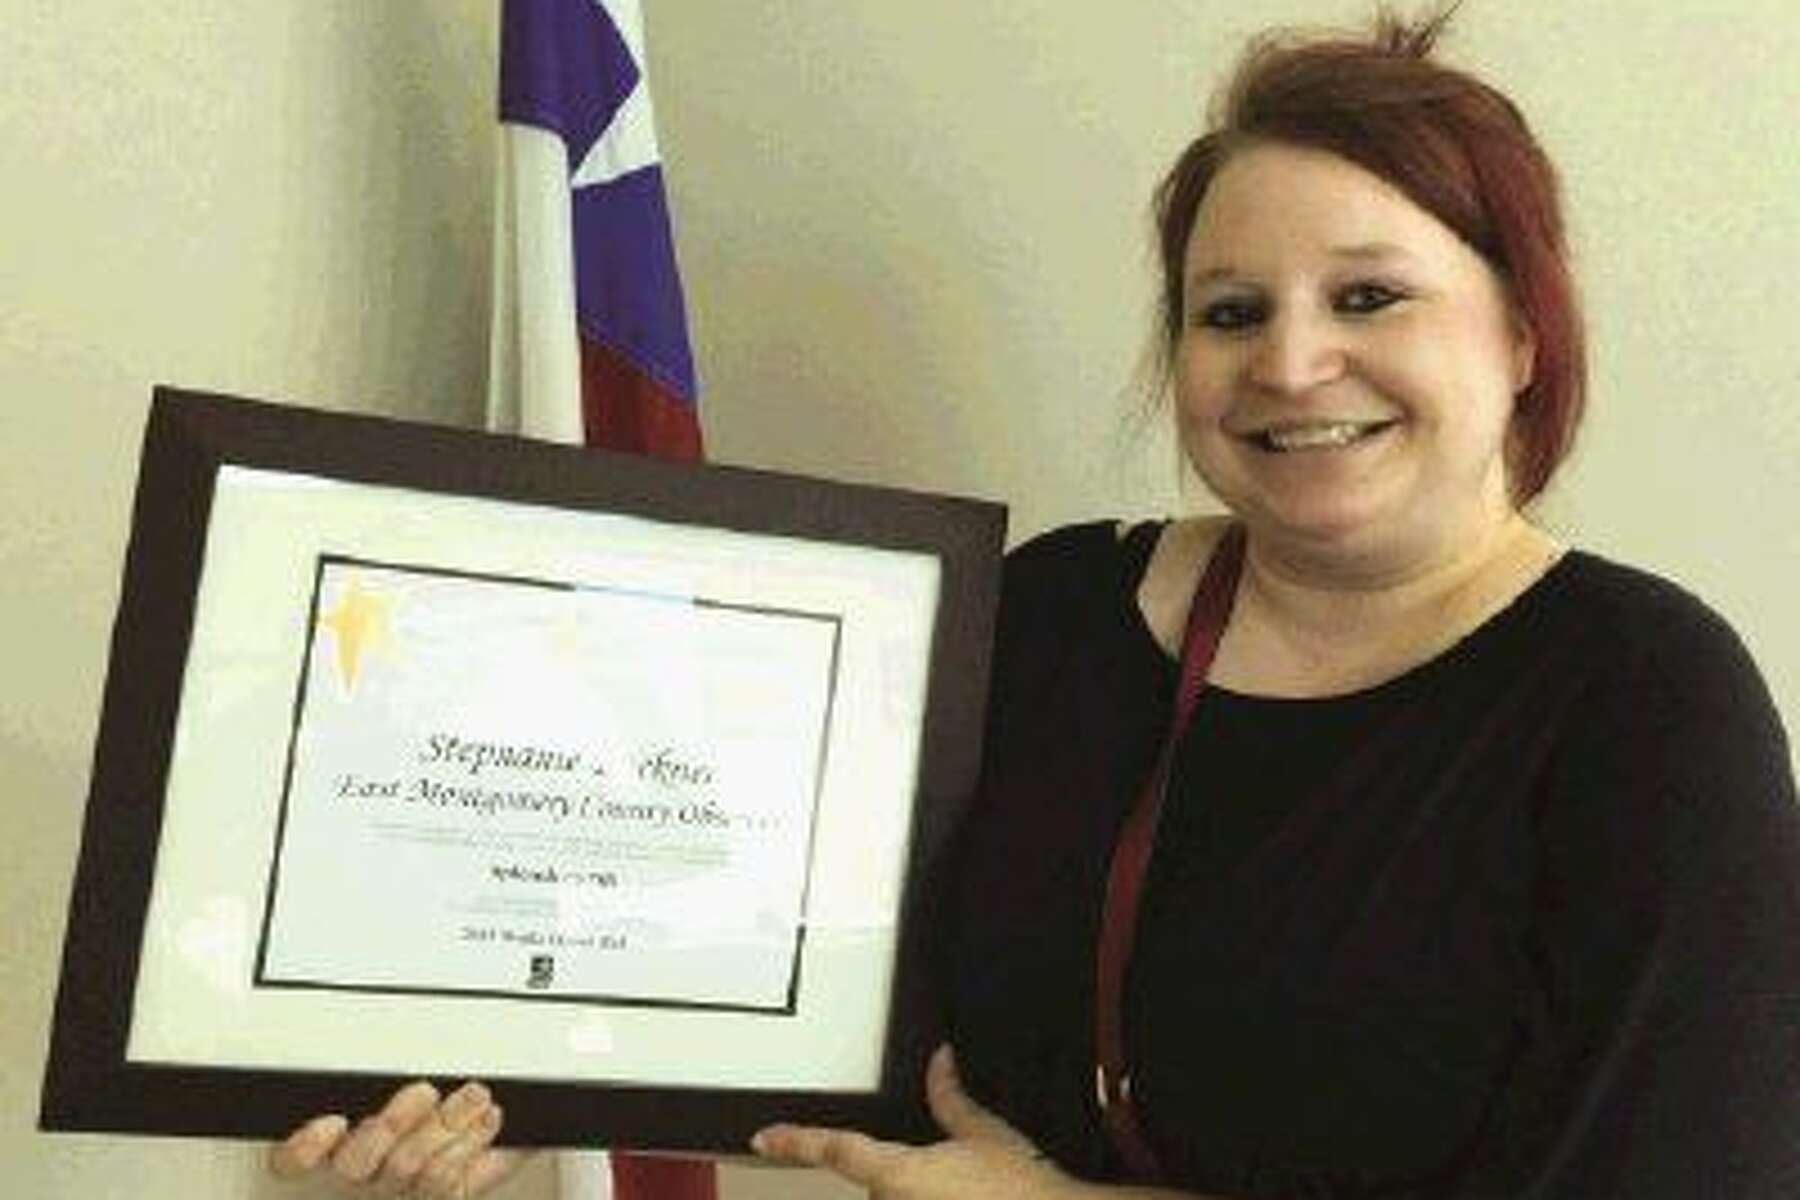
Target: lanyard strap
(1207, 616)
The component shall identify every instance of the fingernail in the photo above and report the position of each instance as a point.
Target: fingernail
(463, 1107)
(422, 1091)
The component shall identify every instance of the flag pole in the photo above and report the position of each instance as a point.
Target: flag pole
(588, 343)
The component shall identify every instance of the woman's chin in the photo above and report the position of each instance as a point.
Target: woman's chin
(1346, 541)
(1312, 503)
(1323, 524)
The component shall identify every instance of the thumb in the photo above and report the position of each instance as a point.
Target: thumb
(958, 1113)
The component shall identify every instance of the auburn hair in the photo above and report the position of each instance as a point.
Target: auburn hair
(1455, 146)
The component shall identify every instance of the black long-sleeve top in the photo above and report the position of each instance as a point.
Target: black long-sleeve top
(1522, 921)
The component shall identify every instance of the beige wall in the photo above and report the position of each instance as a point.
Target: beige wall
(913, 241)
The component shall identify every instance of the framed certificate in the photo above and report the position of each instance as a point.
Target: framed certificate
(618, 784)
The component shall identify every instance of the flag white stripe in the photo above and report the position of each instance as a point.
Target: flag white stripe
(629, 143)
(534, 370)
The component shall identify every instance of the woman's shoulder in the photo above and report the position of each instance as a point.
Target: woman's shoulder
(1150, 564)
(1081, 542)
(1062, 543)
(1149, 548)
(1663, 668)
(1642, 620)
(1087, 550)
(1078, 574)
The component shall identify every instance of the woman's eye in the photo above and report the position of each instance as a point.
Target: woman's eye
(1366, 298)
(1229, 314)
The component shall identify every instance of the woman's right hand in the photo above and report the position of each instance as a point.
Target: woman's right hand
(418, 1144)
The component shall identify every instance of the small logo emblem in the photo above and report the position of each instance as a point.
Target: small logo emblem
(542, 971)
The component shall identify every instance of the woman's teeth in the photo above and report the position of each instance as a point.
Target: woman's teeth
(1325, 434)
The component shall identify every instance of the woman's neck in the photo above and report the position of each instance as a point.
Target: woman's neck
(1308, 624)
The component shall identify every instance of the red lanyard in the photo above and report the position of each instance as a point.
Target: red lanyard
(1131, 857)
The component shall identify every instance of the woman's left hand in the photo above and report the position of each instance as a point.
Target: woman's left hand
(982, 1156)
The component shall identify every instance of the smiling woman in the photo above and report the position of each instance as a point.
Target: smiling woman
(1367, 841)
(1456, 150)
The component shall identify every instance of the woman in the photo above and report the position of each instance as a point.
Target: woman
(1476, 869)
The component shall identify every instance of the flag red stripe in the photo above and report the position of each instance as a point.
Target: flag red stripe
(624, 409)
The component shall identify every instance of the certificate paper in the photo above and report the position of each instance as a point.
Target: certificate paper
(573, 762)
(530, 787)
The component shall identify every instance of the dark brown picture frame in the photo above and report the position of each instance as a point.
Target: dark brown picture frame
(90, 1084)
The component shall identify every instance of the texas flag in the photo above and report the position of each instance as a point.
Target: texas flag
(589, 342)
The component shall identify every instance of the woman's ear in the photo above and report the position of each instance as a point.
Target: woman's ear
(1524, 355)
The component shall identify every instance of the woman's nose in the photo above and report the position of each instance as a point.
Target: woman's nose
(1295, 351)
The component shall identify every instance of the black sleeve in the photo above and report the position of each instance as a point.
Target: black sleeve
(1667, 938)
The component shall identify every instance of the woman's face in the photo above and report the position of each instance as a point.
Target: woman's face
(1347, 366)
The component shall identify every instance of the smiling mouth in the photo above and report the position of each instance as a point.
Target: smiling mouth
(1317, 435)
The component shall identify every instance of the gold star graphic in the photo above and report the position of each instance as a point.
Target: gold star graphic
(359, 622)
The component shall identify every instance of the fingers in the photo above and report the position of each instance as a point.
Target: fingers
(416, 1145)
(957, 1112)
(857, 1157)
(307, 1146)
(467, 1164)
(459, 1126)
(361, 1154)
(489, 1167)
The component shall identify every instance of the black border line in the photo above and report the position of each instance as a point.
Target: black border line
(262, 978)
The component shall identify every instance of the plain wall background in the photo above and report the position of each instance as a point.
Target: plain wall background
(914, 238)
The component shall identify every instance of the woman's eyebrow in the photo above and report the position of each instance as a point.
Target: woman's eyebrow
(1200, 278)
(1366, 251)
(1357, 252)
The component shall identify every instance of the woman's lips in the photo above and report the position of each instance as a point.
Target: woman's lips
(1293, 437)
